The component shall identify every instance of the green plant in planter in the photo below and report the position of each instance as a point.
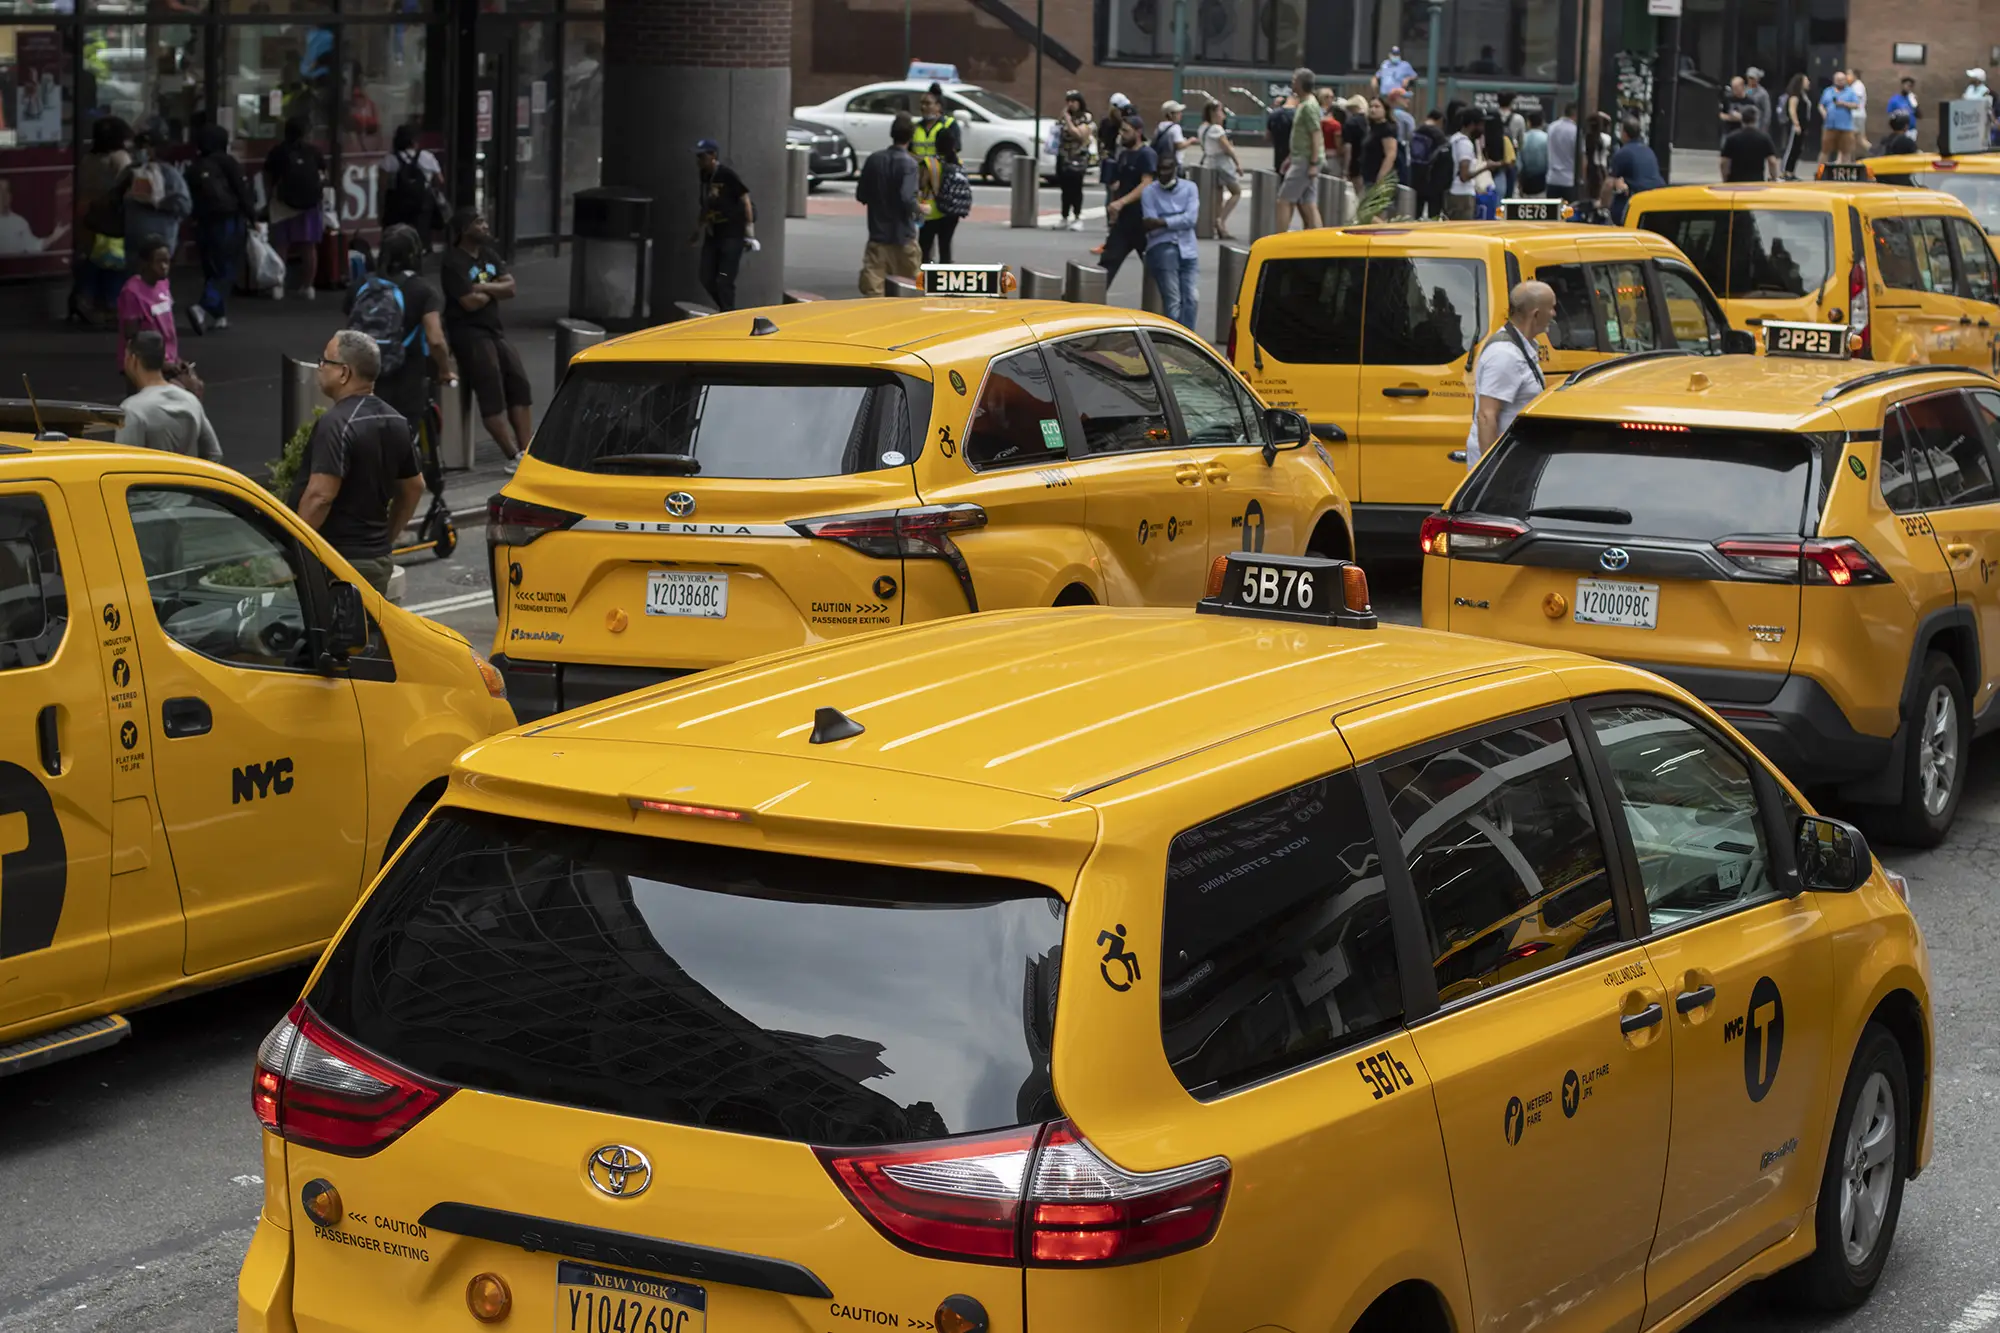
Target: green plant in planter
(285, 472)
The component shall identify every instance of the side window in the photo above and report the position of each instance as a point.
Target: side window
(1691, 808)
(1906, 484)
(1627, 303)
(1702, 235)
(886, 102)
(1975, 260)
(1253, 415)
(1505, 854)
(1276, 947)
(1204, 392)
(225, 580)
(1896, 256)
(1424, 312)
(1017, 420)
(1110, 384)
(1694, 321)
(34, 610)
(1933, 252)
(1307, 312)
(1943, 431)
(1575, 326)
(1986, 406)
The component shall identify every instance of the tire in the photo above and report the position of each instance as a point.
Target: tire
(1000, 163)
(1848, 1260)
(413, 815)
(1934, 758)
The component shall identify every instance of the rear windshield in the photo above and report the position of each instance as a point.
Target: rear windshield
(1980, 193)
(1752, 253)
(790, 997)
(684, 419)
(1701, 485)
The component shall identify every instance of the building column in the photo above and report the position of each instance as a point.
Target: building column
(676, 71)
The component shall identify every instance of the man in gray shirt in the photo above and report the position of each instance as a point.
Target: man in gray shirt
(1562, 154)
(888, 189)
(160, 415)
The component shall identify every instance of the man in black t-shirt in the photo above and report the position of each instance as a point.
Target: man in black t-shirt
(1748, 154)
(426, 357)
(1900, 139)
(362, 479)
(475, 282)
(727, 224)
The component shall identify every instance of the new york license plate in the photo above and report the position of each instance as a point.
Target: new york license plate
(1613, 602)
(590, 1299)
(673, 592)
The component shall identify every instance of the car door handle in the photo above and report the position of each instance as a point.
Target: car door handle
(1645, 1018)
(1965, 321)
(1693, 999)
(1456, 455)
(1754, 322)
(1960, 550)
(1215, 472)
(185, 716)
(49, 741)
(1405, 391)
(1187, 474)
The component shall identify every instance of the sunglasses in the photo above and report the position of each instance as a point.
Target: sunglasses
(329, 361)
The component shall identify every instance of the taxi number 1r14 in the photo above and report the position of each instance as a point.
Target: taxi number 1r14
(1612, 602)
(673, 592)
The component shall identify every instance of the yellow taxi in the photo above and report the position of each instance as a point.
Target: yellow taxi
(1370, 333)
(1055, 969)
(768, 479)
(1972, 178)
(1908, 270)
(1805, 543)
(215, 733)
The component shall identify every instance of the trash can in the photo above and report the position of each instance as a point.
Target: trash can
(1027, 195)
(611, 264)
(572, 336)
(298, 395)
(798, 179)
(1231, 261)
(1087, 283)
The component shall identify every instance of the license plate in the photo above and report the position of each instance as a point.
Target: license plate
(1606, 602)
(671, 592)
(590, 1299)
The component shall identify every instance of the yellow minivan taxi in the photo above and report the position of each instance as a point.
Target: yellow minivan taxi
(215, 733)
(1909, 270)
(1807, 545)
(1971, 178)
(1370, 332)
(1053, 969)
(769, 479)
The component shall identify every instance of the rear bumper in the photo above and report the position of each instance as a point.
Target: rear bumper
(264, 1287)
(1792, 719)
(538, 689)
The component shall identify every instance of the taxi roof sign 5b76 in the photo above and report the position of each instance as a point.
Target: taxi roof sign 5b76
(964, 279)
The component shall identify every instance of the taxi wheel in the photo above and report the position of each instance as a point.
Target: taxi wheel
(1861, 1194)
(1934, 760)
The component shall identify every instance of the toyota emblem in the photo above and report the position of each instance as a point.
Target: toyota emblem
(619, 1171)
(680, 504)
(1614, 559)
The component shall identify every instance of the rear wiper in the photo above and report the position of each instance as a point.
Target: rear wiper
(673, 465)
(1585, 514)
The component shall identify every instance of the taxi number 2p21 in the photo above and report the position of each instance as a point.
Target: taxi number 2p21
(1288, 589)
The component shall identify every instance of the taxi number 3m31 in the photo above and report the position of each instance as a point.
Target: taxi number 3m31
(1608, 602)
(677, 593)
(1265, 585)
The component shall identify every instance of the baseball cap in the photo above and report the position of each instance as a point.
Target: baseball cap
(1395, 50)
(1753, 73)
(1173, 108)
(1120, 100)
(708, 146)
(1978, 74)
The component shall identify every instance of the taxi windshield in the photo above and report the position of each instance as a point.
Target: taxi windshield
(1981, 194)
(770, 422)
(752, 992)
(1602, 478)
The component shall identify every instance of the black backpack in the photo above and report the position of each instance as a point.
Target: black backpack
(298, 179)
(378, 312)
(409, 197)
(209, 186)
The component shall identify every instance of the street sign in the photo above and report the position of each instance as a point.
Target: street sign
(1664, 9)
(485, 114)
(1962, 125)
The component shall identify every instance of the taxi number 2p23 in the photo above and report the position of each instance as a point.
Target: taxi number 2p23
(1384, 1074)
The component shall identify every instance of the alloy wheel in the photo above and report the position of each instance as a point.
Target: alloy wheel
(1937, 750)
(1868, 1167)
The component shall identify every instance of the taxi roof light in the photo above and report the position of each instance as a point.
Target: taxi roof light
(1302, 589)
(314, 1088)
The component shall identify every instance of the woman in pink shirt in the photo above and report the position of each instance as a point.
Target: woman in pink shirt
(147, 302)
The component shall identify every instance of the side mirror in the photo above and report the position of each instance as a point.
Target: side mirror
(349, 631)
(1287, 430)
(1833, 856)
(1736, 342)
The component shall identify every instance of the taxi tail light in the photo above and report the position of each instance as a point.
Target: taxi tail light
(1840, 562)
(1444, 534)
(922, 533)
(314, 1088)
(1039, 1195)
(511, 522)
(1860, 319)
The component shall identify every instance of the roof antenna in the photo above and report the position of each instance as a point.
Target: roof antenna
(830, 724)
(761, 327)
(33, 406)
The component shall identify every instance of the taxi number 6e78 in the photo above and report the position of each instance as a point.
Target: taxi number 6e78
(1285, 589)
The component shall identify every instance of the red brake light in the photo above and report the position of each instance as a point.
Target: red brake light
(1000, 1198)
(1230, 352)
(1664, 427)
(315, 1088)
(1860, 319)
(511, 522)
(1840, 561)
(1444, 534)
(920, 533)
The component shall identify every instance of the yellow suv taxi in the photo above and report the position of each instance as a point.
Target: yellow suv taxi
(1051, 969)
(1370, 333)
(1971, 178)
(1908, 270)
(731, 486)
(1807, 545)
(215, 732)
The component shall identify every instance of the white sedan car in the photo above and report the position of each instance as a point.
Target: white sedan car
(993, 128)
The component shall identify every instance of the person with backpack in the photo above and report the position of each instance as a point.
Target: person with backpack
(1535, 157)
(153, 198)
(1169, 136)
(941, 183)
(294, 182)
(1430, 165)
(223, 210)
(415, 195)
(403, 311)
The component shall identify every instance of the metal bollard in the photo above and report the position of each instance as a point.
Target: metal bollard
(794, 295)
(692, 310)
(1406, 202)
(1263, 203)
(1085, 283)
(1026, 195)
(798, 180)
(1149, 291)
(1208, 184)
(572, 336)
(298, 395)
(1231, 262)
(1039, 286)
(900, 286)
(460, 436)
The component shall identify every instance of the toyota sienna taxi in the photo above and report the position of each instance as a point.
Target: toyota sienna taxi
(1253, 967)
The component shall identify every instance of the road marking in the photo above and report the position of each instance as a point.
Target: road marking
(240, 1180)
(1981, 1312)
(469, 600)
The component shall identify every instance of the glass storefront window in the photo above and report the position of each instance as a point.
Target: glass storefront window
(583, 111)
(390, 84)
(1219, 32)
(270, 74)
(148, 75)
(35, 8)
(534, 138)
(37, 179)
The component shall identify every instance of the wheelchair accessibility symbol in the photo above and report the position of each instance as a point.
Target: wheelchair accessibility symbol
(1115, 951)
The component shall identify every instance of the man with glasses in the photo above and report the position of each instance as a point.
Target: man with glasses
(362, 479)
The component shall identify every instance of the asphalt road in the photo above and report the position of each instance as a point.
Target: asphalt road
(129, 1180)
